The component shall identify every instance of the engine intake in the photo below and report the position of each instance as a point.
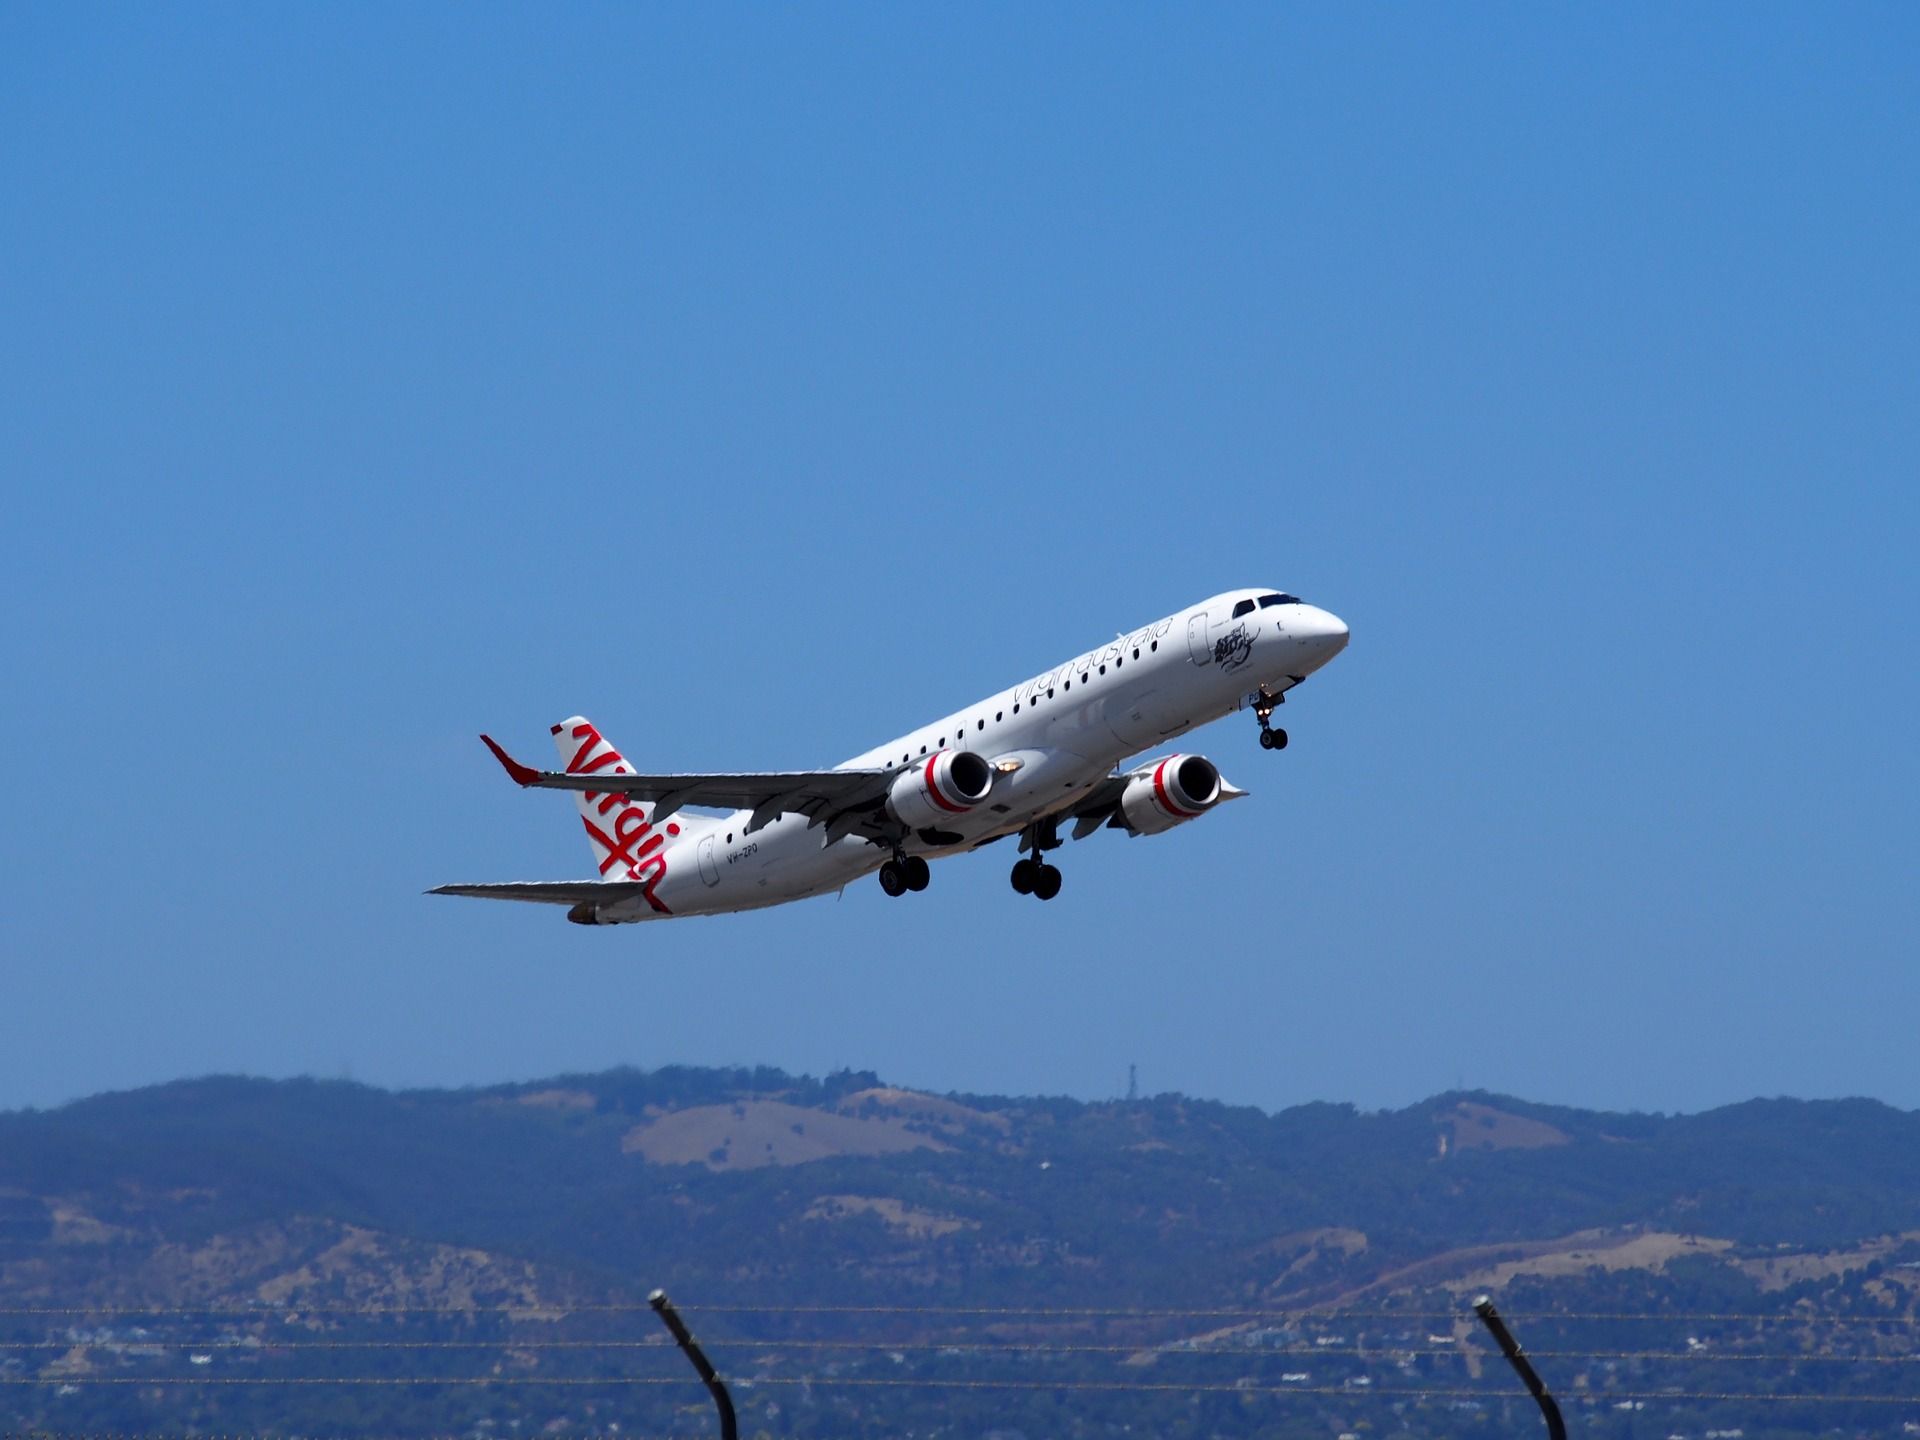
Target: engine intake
(949, 783)
(1169, 793)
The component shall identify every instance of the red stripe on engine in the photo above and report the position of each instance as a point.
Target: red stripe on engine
(933, 789)
(1160, 791)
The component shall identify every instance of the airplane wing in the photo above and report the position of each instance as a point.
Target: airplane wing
(549, 892)
(1099, 806)
(820, 795)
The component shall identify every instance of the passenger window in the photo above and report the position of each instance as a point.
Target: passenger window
(996, 716)
(1136, 652)
(1103, 669)
(979, 724)
(1154, 646)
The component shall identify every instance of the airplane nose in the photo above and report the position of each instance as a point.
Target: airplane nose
(1320, 628)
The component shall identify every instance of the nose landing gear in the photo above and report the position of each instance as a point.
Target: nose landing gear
(1264, 703)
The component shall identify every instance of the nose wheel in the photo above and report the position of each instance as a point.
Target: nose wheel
(1265, 702)
(1036, 877)
(904, 873)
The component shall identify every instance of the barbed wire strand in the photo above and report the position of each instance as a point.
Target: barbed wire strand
(617, 1434)
(254, 1435)
(1304, 1313)
(1609, 1397)
(1156, 1352)
(534, 1308)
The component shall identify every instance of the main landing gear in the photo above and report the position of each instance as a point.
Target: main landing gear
(904, 873)
(1263, 707)
(1036, 877)
(1033, 875)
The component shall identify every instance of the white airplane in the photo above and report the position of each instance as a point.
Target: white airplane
(1021, 762)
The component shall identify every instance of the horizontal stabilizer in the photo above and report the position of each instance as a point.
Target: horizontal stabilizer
(550, 892)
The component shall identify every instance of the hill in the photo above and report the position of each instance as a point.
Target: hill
(330, 1203)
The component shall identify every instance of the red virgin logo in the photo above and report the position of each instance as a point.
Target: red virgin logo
(618, 826)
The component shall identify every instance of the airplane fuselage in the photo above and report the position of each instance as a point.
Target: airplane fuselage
(1051, 740)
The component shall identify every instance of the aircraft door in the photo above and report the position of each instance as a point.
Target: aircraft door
(1197, 645)
(709, 868)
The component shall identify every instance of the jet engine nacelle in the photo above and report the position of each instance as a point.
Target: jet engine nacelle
(944, 785)
(1169, 793)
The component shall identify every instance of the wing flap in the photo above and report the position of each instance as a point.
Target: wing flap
(1097, 807)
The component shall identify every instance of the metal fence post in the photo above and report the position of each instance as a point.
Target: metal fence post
(1483, 1307)
(663, 1307)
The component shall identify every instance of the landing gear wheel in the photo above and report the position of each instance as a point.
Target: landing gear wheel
(1047, 883)
(1265, 702)
(1024, 872)
(916, 873)
(892, 879)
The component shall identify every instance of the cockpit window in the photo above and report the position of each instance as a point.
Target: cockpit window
(1245, 607)
(1266, 600)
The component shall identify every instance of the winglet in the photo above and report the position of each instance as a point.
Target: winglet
(521, 774)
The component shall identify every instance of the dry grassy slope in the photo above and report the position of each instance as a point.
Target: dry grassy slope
(1777, 1272)
(1476, 1268)
(296, 1263)
(1474, 1126)
(749, 1133)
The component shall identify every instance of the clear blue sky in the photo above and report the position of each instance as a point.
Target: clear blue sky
(763, 381)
